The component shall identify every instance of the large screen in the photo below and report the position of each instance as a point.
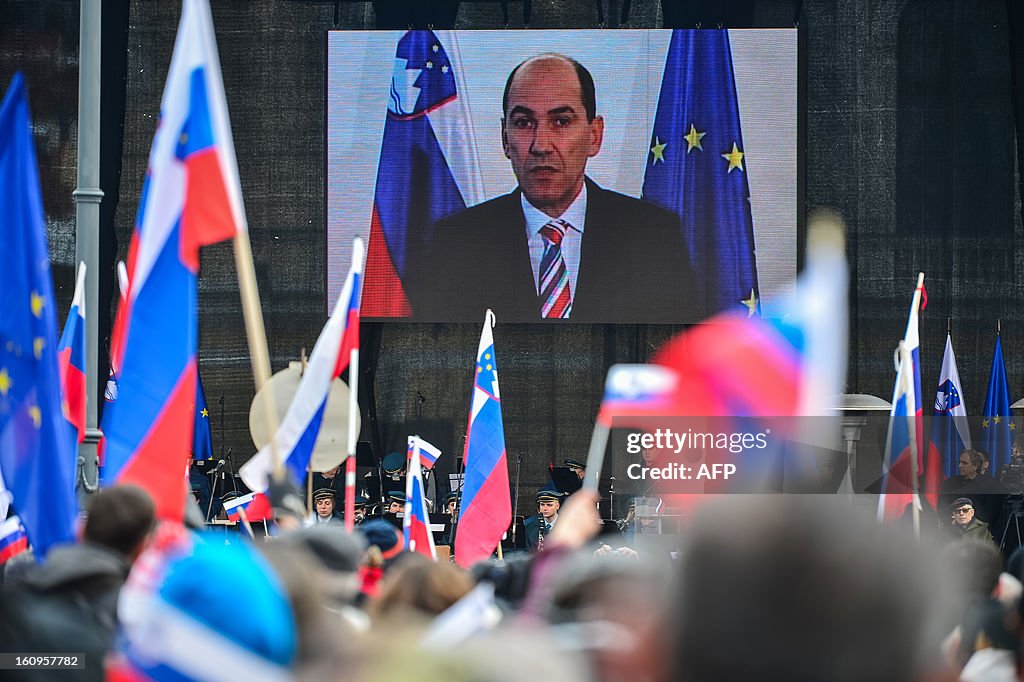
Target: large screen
(581, 176)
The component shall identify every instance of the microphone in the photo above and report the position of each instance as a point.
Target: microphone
(220, 465)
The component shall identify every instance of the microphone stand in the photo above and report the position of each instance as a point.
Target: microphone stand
(515, 509)
(611, 499)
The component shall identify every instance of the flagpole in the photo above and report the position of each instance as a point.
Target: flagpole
(256, 334)
(595, 458)
(908, 387)
(350, 463)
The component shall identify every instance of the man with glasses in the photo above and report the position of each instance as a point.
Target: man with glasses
(965, 524)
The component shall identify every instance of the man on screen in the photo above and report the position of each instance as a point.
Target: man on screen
(559, 246)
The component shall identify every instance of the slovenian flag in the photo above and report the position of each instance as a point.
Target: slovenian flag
(13, 540)
(486, 510)
(416, 521)
(297, 434)
(638, 391)
(951, 433)
(428, 453)
(428, 167)
(71, 359)
(191, 197)
(37, 451)
(906, 429)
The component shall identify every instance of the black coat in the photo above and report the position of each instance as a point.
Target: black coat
(634, 266)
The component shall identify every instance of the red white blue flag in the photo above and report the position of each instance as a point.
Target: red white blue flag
(416, 522)
(13, 540)
(638, 391)
(71, 359)
(191, 197)
(906, 428)
(486, 509)
(428, 167)
(297, 434)
(428, 453)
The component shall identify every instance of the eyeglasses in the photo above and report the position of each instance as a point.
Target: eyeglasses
(963, 510)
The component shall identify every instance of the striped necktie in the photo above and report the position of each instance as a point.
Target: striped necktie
(554, 289)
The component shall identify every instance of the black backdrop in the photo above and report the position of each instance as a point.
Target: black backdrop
(909, 134)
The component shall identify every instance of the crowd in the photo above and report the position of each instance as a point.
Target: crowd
(796, 588)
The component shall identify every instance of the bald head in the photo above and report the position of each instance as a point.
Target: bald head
(552, 61)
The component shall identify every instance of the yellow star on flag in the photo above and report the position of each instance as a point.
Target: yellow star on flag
(658, 149)
(205, 412)
(38, 344)
(693, 139)
(997, 419)
(5, 381)
(37, 304)
(735, 158)
(751, 304)
(37, 416)
(1013, 426)
(984, 423)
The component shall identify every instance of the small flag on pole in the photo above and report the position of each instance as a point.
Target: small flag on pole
(416, 522)
(71, 359)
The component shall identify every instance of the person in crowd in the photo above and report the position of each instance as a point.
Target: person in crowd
(69, 602)
(359, 509)
(199, 610)
(802, 590)
(966, 524)
(419, 587)
(987, 648)
(452, 522)
(539, 525)
(384, 544)
(324, 504)
(973, 481)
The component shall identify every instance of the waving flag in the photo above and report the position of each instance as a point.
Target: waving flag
(71, 359)
(906, 429)
(191, 197)
(951, 433)
(639, 390)
(13, 540)
(486, 510)
(202, 442)
(428, 453)
(428, 167)
(416, 521)
(996, 438)
(37, 455)
(697, 169)
(298, 432)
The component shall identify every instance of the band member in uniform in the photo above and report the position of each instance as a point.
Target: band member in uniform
(540, 524)
(323, 502)
(451, 524)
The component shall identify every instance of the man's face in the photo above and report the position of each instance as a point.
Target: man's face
(546, 135)
(963, 515)
(358, 514)
(325, 506)
(395, 507)
(548, 508)
(451, 508)
(966, 466)
(579, 472)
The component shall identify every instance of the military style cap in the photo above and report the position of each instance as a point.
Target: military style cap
(549, 495)
(322, 493)
(575, 464)
(452, 496)
(396, 496)
(361, 501)
(393, 462)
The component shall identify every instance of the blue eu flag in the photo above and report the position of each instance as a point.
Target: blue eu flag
(696, 167)
(37, 455)
(202, 443)
(995, 424)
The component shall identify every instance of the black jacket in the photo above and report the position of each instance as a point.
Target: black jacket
(634, 266)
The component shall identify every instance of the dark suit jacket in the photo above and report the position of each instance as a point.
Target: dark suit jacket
(634, 266)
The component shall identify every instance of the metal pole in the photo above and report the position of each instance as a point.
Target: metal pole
(87, 196)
